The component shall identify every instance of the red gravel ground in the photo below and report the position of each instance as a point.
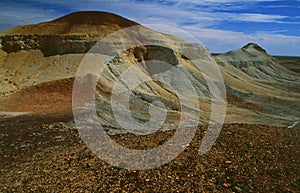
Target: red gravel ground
(37, 156)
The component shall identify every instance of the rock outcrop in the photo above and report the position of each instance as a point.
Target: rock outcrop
(49, 45)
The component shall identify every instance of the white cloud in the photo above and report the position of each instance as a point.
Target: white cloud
(218, 1)
(142, 12)
(13, 14)
(260, 17)
(200, 22)
(219, 41)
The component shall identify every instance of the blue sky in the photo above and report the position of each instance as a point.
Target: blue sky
(221, 25)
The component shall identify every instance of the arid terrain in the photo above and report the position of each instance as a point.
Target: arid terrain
(41, 150)
(291, 63)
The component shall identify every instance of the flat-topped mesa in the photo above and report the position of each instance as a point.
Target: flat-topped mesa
(73, 33)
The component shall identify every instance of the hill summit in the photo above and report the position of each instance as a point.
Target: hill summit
(78, 23)
(254, 46)
(95, 18)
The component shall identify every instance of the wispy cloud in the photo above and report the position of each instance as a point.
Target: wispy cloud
(223, 40)
(206, 19)
(16, 13)
(35, 10)
(260, 17)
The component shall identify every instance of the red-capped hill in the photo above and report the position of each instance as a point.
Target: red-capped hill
(77, 23)
(95, 18)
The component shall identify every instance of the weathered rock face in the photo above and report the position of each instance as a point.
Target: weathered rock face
(49, 44)
(151, 69)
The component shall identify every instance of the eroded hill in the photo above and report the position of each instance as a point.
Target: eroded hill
(259, 90)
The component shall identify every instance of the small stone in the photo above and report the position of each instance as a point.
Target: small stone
(229, 133)
(238, 189)
(51, 126)
(226, 185)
